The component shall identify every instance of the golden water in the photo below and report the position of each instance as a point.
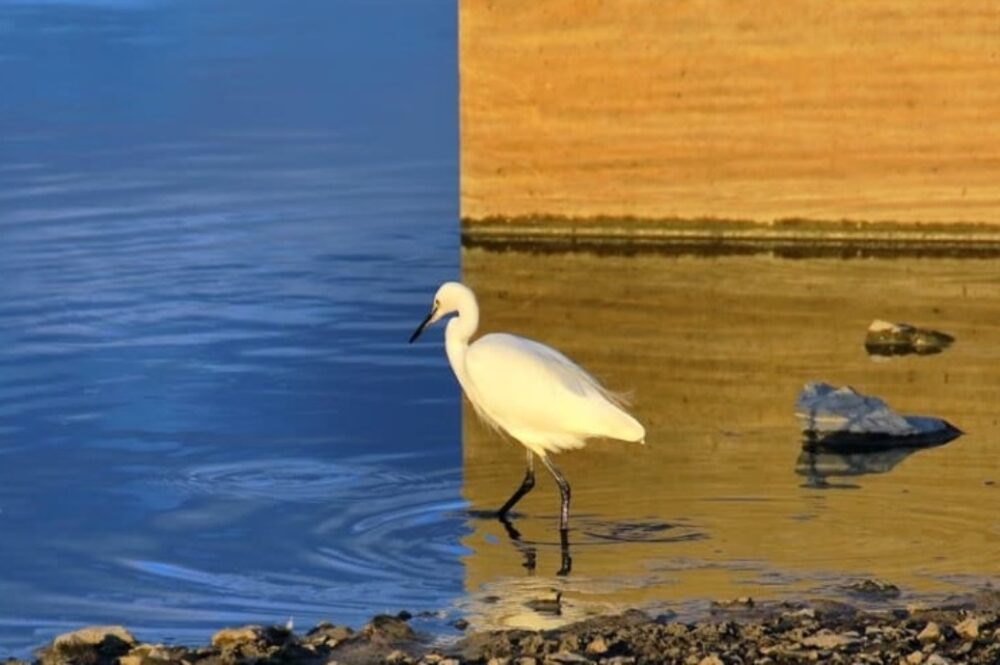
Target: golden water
(716, 506)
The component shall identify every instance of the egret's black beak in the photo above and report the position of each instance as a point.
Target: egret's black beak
(423, 324)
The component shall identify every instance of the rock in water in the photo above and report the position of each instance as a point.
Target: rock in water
(897, 339)
(842, 419)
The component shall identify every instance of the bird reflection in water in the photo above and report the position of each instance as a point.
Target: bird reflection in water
(529, 551)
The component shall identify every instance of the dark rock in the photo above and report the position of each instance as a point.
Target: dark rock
(547, 604)
(873, 590)
(896, 339)
(460, 624)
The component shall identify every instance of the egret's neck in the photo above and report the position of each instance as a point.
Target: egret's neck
(456, 340)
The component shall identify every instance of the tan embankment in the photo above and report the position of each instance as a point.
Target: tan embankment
(876, 110)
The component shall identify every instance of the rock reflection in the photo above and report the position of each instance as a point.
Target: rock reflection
(849, 456)
(819, 467)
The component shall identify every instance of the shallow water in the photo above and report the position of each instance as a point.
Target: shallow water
(723, 502)
(214, 246)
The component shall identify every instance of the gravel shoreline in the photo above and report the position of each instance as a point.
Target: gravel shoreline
(964, 631)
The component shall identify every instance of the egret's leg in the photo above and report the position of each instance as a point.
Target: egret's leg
(567, 560)
(526, 485)
(563, 491)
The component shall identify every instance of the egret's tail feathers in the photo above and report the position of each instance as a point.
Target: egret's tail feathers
(628, 428)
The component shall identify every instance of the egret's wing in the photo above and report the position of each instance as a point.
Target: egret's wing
(525, 386)
(571, 375)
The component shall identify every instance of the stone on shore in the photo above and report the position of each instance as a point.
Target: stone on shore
(93, 645)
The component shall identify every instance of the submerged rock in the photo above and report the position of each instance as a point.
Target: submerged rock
(874, 590)
(842, 418)
(550, 603)
(896, 339)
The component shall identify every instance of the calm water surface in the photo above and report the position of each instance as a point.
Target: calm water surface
(722, 502)
(219, 226)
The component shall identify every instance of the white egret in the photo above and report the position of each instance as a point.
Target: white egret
(532, 392)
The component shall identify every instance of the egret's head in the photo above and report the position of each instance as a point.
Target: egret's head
(449, 299)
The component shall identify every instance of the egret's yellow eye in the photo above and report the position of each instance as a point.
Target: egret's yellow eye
(437, 303)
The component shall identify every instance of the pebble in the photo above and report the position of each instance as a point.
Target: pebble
(828, 640)
(930, 634)
(397, 657)
(968, 629)
(566, 657)
(144, 654)
(228, 636)
(597, 646)
(936, 659)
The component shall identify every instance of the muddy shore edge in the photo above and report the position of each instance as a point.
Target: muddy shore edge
(792, 237)
(964, 631)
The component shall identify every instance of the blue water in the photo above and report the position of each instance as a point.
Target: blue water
(219, 223)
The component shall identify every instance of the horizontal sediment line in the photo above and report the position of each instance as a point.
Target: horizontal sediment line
(787, 237)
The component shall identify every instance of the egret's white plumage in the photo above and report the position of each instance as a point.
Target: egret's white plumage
(526, 389)
(540, 397)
